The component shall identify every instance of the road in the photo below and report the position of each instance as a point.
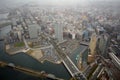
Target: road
(74, 71)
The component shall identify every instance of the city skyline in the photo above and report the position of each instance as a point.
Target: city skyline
(59, 40)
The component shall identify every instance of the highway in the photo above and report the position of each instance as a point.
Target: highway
(74, 71)
(96, 72)
(115, 59)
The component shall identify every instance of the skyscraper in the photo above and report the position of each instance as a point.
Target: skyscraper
(93, 44)
(33, 31)
(103, 44)
(59, 31)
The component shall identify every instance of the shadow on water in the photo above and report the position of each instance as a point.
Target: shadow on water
(24, 60)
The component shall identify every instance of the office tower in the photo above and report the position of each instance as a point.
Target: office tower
(59, 31)
(103, 44)
(93, 44)
(33, 31)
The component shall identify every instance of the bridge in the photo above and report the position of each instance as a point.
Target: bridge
(41, 74)
(73, 70)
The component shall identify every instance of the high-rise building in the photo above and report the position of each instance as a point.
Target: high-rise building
(82, 58)
(103, 44)
(34, 30)
(93, 44)
(59, 32)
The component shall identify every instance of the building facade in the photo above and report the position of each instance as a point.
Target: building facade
(59, 32)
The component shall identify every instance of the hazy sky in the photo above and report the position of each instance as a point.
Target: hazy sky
(50, 2)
